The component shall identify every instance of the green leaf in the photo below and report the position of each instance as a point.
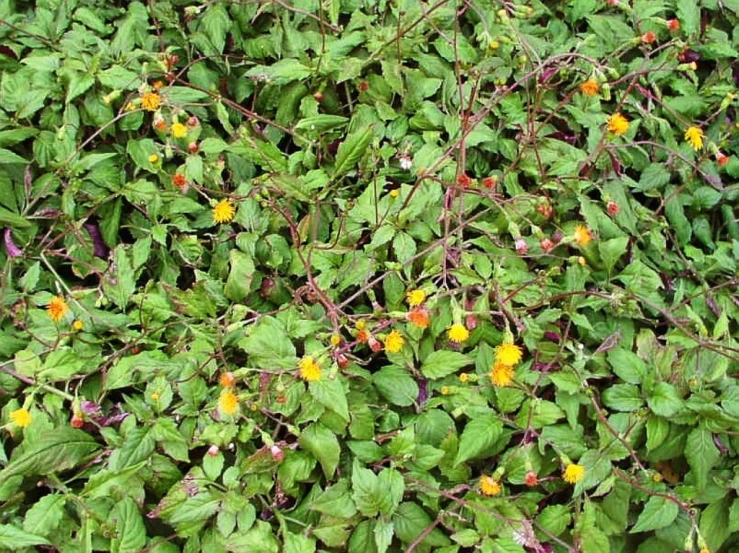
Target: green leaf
(137, 446)
(297, 543)
(6, 156)
(54, 450)
(351, 150)
(323, 445)
(269, 346)
(330, 394)
(478, 435)
(623, 397)
(715, 523)
(130, 533)
(612, 250)
(14, 538)
(411, 520)
(383, 535)
(443, 363)
(240, 277)
(45, 515)
(664, 400)
(658, 512)
(689, 15)
(121, 285)
(702, 454)
(396, 385)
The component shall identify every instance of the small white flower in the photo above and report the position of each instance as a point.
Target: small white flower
(405, 162)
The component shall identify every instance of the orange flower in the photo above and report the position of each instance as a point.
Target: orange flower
(227, 379)
(363, 336)
(648, 37)
(57, 308)
(489, 486)
(501, 375)
(179, 180)
(583, 237)
(419, 317)
(673, 25)
(590, 87)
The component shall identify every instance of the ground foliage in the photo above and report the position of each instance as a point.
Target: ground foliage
(213, 214)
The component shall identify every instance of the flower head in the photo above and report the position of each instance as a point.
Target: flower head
(573, 473)
(508, 354)
(178, 130)
(415, 297)
(531, 479)
(179, 180)
(612, 208)
(227, 379)
(589, 87)
(150, 101)
(363, 336)
(224, 211)
(418, 316)
(153, 158)
(335, 340)
(308, 369)
(489, 486)
(618, 124)
(583, 236)
(458, 333)
(464, 377)
(228, 403)
(57, 308)
(78, 325)
(694, 135)
(394, 342)
(648, 37)
(501, 375)
(21, 417)
(722, 159)
(673, 25)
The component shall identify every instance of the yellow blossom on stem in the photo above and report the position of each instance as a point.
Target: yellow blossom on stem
(508, 354)
(308, 369)
(228, 403)
(21, 417)
(153, 158)
(583, 236)
(618, 124)
(150, 101)
(78, 325)
(573, 473)
(394, 342)
(489, 486)
(464, 377)
(694, 135)
(501, 375)
(57, 308)
(415, 297)
(224, 211)
(178, 130)
(335, 340)
(458, 333)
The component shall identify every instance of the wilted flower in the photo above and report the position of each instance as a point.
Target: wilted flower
(521, 246)
(406, 163)
(419, 316)
(612, 208)
(227, 379)
(590, 87)
(10, 247)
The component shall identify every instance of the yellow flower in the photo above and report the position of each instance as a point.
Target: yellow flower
(589, 88)
(618, 124)
(583, 235)
(360, 324)
(153, 158)
(308, 369)
(150, 101)
(501, 375)
(335, 340)
(508, 354)
(694, 135)
(458, 333)
(130, 106)
(394, 342)
(178, 130)
(224, 211)
(415, 297)
(489, 486)
(573, 473)
(464, 377)
(155, 397)
(705, 550)
(228, 403)
(445, 390)
(394, 193)
(78, 325)
(57, 308)
(21, 417)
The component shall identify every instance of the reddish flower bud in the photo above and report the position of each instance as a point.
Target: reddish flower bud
(318, 96)
(521, 246)
(213, 450)
(490, 182)
(531, 479)
(193, 147)
(673, 25)
(546, 245)
(277, 454)
(193, 121)
(545, 210)
(463, 180)
(77, 421)
(722, 159)
(613, 208)
(363, 86)
(648, 37)
(343, 361)
(374, 344)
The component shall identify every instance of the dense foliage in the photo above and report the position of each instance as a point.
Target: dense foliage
(369, 276)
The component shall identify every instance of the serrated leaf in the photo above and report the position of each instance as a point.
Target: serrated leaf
(478, 435)
(330, 394)
(14, 538)
(351, 150)
(658, 512)
(323, 445)
(442, 363)
(702, 454)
